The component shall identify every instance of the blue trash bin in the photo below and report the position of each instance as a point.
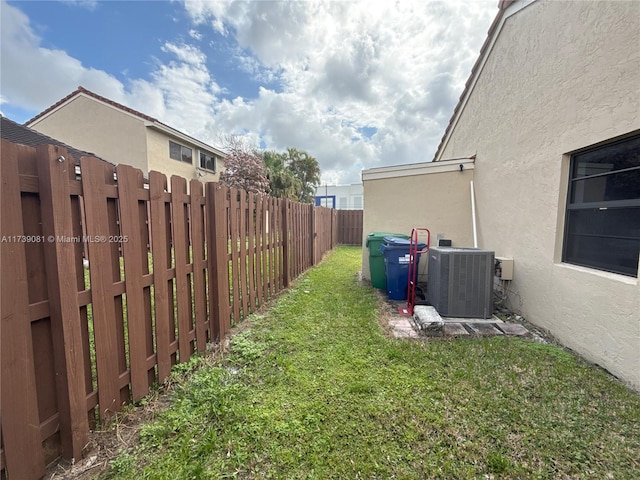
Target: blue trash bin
(396, 261)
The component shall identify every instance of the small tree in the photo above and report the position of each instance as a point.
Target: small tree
(282, 182)
(306, 169)
(243, 167)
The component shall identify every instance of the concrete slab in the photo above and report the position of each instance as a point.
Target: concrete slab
(513, 329)
(400, 322)
(405, 333)
(425, 314)
(484, 329)
(455, 330)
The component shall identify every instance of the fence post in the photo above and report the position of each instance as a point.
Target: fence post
(55, 169)
(285, 243)
(20, 419)
(217, 253)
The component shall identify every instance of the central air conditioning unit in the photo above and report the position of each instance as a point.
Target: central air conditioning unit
(460, 282)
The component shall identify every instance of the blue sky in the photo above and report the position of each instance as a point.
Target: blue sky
(355, 84)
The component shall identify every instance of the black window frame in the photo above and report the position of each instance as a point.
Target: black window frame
(596, 213)
(213, 156)
(183, 150)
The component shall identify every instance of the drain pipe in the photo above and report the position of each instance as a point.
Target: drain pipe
(473, 216)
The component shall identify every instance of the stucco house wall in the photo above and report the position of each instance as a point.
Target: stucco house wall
(98, 128)
(427, 195)
(560, 76)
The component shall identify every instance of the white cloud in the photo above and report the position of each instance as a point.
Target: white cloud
(181, 92)
(396, 68)
(32, 77)
(195, 34)
(88, 4)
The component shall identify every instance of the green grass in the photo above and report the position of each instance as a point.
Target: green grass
(314, 389)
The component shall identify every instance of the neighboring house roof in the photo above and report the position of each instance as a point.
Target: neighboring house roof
(16, 133)
(149, 121)
(494, 29)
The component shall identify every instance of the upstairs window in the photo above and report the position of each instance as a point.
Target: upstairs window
(603, 208)
(180, 153)
(208, 161)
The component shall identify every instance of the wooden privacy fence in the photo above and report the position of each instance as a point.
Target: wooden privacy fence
(168, 272)
(350, 227)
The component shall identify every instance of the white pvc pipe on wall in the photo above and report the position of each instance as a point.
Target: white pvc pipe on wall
(473, 216)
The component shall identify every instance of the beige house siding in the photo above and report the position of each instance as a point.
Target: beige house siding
(399, 199)
(561, 76)
(89, 125)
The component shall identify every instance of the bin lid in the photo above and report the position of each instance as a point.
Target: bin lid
(402, 249)
(393, 241)
(379, 236)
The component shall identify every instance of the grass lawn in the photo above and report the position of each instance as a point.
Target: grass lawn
(314, 389)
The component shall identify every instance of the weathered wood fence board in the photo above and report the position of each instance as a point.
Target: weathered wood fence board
(20, 416)
(168, 272)
(349, 228)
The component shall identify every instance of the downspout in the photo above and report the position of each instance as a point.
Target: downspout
(473, 216)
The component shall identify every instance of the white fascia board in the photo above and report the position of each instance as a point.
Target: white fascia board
(185, 138)
(414, 169)
(510, 10)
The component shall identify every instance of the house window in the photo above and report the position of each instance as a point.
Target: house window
(343, 203)
(357, 202)
(603, 208)
(180, 152)
(208, 161)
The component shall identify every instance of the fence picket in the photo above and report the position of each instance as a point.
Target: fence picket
(181, 259)
(218, 245)
(251, 239)
(199, 265)
(260, 251)
(235, 269)
(242, 234)
(97, 177)
(161, 255)
(130, 182)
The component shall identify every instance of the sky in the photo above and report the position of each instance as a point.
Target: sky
(357, 85)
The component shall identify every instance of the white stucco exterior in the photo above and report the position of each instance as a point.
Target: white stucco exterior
(560, 76)
(121, 135)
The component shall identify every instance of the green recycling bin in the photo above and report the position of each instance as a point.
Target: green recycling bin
(376, 257)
